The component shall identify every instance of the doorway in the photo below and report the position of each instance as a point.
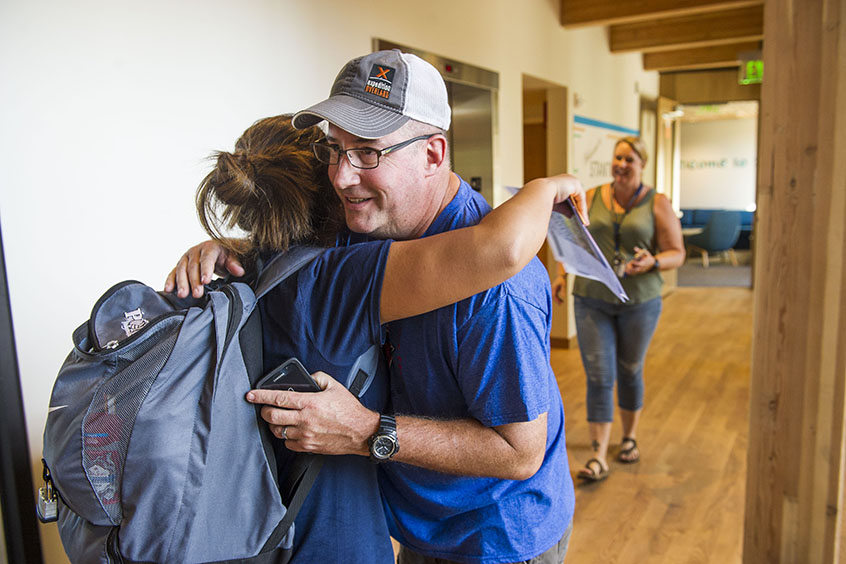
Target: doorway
(718, 149)
(546, 131)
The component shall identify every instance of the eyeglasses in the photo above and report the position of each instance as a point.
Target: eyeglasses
(360, 157)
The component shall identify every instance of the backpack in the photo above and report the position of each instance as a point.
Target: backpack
(149, 443)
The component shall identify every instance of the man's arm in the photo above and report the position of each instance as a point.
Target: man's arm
(334, 422)
(478, 257)
(514, 451)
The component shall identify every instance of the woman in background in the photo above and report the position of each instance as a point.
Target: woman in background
(640, 235)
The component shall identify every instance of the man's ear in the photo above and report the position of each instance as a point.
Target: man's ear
(436, 153)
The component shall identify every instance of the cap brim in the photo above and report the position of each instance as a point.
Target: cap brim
(354, 116)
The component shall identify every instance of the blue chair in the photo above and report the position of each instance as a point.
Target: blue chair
(719, 235)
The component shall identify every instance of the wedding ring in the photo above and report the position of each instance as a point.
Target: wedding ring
(284, 433)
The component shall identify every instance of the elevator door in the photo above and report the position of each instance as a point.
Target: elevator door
(471, 135)
(472, 95)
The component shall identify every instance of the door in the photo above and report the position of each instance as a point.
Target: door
(667, 167)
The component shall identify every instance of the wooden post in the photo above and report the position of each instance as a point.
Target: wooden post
(794, 493)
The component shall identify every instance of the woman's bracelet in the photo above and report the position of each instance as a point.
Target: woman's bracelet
(656, 265)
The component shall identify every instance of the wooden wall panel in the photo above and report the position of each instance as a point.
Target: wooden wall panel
(716, 56)
(794, 497)
(707, 87)
(731, 26)
(603, 12)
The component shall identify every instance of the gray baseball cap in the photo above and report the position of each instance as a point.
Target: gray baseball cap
(376, 94)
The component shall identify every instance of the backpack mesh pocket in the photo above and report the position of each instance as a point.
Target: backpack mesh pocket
(108, 422)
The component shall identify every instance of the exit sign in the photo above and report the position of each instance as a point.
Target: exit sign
(751, 72)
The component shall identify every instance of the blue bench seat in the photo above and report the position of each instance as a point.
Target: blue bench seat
(699, 218)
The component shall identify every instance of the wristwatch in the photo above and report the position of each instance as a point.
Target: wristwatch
(384, 444)
(656, 266)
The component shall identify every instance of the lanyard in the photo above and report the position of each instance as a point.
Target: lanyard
(618, 220)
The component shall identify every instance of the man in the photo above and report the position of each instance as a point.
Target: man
(472, 391)
(473, 463)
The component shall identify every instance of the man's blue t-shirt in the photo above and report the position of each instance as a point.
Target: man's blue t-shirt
(486, 357)
(326, 315)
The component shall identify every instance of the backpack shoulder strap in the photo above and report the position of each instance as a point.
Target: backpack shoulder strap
(363, 371)
(294, 490)
(283, 265)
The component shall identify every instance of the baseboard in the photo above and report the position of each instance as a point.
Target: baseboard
(564, 342)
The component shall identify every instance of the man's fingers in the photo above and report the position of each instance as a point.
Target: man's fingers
(194, 278)
(197, 267)
(278, 398)
(234, 266)
(183, 288)
(292, 437)
(323, 380)
(208, 261)
(170, 281)
(581, 206)
(280, 417)
(279, 431)
(284, 432)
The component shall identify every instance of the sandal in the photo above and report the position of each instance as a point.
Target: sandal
(588, 473)
(625, 454)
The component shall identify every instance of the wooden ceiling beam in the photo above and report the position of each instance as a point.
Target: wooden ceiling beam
(715, 56)
(607, 12)
(700, 30)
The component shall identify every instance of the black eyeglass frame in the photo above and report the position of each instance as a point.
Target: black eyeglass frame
(379, 152)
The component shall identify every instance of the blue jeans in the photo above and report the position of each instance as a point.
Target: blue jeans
(613, 339)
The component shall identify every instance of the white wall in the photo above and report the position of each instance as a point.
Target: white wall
(108, 108)
(719, 163)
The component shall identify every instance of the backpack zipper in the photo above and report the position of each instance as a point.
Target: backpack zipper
(236, 313)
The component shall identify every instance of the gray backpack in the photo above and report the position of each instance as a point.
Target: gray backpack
(149, 443)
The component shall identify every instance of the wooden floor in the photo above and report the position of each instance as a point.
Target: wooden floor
(683, 502)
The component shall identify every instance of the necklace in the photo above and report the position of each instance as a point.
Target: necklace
(630, 203)
(618, 263)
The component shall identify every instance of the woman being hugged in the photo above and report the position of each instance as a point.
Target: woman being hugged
(640, 236)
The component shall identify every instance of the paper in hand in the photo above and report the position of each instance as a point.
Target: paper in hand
(574, 247)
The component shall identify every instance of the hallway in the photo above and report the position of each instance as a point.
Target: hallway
(684, 501)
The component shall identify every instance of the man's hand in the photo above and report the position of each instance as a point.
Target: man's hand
(334, 422)
(196, 267)
(329, 422)
(570, 188)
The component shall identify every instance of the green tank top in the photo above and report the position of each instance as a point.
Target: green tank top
(636, 230)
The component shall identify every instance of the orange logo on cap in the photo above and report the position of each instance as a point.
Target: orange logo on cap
(380, 81)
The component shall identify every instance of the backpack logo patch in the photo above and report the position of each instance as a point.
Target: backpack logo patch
(380, 81)
(134, 322)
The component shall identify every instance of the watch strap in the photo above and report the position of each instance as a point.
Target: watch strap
(387, 431)
(388, 424)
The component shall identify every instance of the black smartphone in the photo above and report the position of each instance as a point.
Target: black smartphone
(291, 376)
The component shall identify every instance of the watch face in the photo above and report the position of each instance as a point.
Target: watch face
(383, 447)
